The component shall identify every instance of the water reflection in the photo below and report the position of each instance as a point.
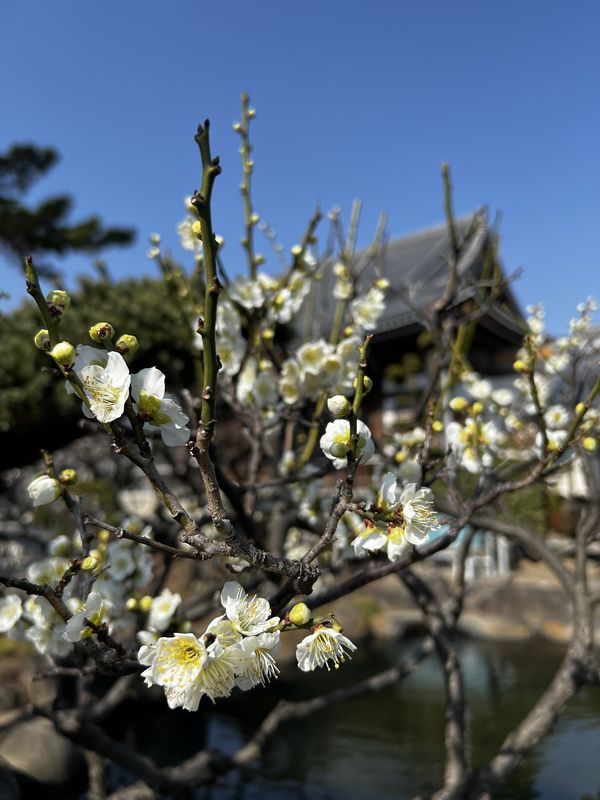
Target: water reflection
(389, 745)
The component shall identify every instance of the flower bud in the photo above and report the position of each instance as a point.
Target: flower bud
(58, 302)
(102, 332)
(185, 626)
(237, 127)
(89, 563)
(339, 406)
(97, 554)
(131, 604)
(259, 260)
(127, 344)
(437, 426)
(458, 404)
(197, 229)
(64, 354)
(579, 408)
(43, 490)
(300, 614)
(68, 477)
(589, 443)
(155, 238)
(268, 334)
(382, 283)
(103, 536)
(42, 340)
(251, 113)
(296, 250)
(520, 365)
(145, 603)
(477, 407)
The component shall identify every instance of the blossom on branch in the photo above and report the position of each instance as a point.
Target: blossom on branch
(153, 408)
(335, 442)
(323, 647)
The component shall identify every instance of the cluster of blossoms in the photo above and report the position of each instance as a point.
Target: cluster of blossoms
(238, 648)
(119, 571)
(107, 385)
(402, 515)
(317, 367)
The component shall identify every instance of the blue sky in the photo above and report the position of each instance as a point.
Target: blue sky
(354, 99)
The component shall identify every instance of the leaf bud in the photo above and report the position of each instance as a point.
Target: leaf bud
(42, 340)
(339, 406)
(68, 477)
(300, 614)
(127, 344)
(64, 354)
(367, 384)
(58, 302)
(102, 332)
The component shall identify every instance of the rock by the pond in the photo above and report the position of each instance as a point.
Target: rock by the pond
(9, 788)
(33, 748)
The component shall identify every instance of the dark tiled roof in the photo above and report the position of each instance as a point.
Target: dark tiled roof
(417, 269)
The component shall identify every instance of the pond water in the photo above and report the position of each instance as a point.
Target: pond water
(389, 745)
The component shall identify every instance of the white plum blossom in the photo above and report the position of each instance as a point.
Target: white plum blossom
(43, 490)
(366, 310)
(93, 610)
(324, 647)
(122, 561)
(249, 615)
(47, 570)
(556, 417)
(162, 610)
(247, 293)
(408, 516)
(256, 660)
(153, 408)
(187, 669)
(471, 442)
(106, 387)
(335, 442)
(11, 610)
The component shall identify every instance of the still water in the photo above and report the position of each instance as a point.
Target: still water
(389, 745)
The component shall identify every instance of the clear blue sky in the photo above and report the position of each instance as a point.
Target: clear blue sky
(354, 98)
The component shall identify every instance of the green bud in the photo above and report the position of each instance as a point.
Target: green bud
(131, 604)
(58, 302)
(64, 354)
(42, 340)
(300, 614)
(68, 477)
(127, 344)
(102, 332)
(89, 563)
